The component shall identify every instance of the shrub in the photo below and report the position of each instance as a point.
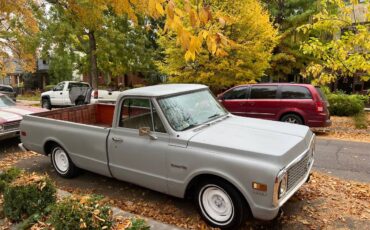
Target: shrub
(27, 195)
(49, 87)
(345, 105)
(8, 176)
(87, 212)
(361, 121)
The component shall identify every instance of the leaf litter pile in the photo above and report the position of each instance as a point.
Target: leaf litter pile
(343, 128)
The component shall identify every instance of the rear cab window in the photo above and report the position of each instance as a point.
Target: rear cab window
(77, 84)
(295, 92)
(263, 92)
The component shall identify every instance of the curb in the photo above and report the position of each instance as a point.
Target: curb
(154, 225)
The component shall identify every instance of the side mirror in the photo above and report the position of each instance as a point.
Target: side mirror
(145, 131)
(54, 89)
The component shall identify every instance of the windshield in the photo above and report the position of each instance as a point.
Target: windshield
(5, 101)
(190, 110)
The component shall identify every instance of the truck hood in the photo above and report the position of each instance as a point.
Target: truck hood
(257, 138)
(15, 113)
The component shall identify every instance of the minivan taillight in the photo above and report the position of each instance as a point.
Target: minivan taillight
(320, 106)
(95, 94)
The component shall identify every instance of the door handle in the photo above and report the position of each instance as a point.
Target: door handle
(61, 93)
(117, 139)
(251, 103)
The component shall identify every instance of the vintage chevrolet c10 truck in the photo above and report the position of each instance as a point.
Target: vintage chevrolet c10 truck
(177, 139)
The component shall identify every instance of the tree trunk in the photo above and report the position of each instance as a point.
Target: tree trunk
(93, 61)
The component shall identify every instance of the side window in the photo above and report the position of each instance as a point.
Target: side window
(59, 87)
(263, 92)
(237, 93)
(137, 113)
(295, 92)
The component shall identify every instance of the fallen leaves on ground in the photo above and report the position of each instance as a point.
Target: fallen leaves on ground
(11, 158)
(343, 128)
(328, 202)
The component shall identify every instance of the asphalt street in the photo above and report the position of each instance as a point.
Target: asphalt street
(345, 159)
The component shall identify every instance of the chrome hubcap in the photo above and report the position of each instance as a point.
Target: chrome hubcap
(291, 120)
(61, 160)
(216, 204)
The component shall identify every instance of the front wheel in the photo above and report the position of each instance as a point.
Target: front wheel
(45, 103)
(220, 204)
(62, 163)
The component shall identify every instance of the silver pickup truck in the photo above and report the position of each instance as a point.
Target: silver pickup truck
(177, 139)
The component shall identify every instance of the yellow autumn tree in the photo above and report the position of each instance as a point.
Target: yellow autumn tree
(18, 29)
(88, 17)
(243, 60)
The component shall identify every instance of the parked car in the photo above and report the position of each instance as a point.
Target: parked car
(11, 115)
(9, 91)
(70, 93)
(177, 139)
(295, 103)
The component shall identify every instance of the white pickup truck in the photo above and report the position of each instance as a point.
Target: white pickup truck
(70, 93)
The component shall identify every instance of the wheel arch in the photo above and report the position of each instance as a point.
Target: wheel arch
(45, 97)
(49, 144)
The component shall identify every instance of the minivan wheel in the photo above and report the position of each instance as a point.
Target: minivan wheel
(45, 103)
(62, 163)
(292, 118)
(220, 204)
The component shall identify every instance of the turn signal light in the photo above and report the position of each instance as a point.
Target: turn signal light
(259, 186)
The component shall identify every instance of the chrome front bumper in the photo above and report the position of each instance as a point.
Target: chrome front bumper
(9, 134)
(21, 146)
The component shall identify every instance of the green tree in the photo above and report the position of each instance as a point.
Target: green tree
(341, 45)
(288, 15)
(247, 24)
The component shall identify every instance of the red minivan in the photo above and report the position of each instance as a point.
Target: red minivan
(294, 103)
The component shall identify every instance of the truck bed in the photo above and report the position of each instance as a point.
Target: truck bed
(93, 114)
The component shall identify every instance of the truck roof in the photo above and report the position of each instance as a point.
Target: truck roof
(162, 90)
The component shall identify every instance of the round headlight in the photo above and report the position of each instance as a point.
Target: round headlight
(283, 185)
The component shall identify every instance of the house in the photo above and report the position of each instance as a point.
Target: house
(19, 79)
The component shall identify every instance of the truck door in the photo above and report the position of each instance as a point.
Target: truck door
(56, 96)
(137, 145)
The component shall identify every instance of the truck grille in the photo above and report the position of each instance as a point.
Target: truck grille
(11, 126)
(297, 172)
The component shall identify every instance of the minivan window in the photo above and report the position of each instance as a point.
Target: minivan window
(263, 92)
(237, 93)
(295, 92)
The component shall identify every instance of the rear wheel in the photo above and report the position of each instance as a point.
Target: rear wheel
(80, 102)
(45, 103)
(220, 204)
(62, 163)
(292, 118)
